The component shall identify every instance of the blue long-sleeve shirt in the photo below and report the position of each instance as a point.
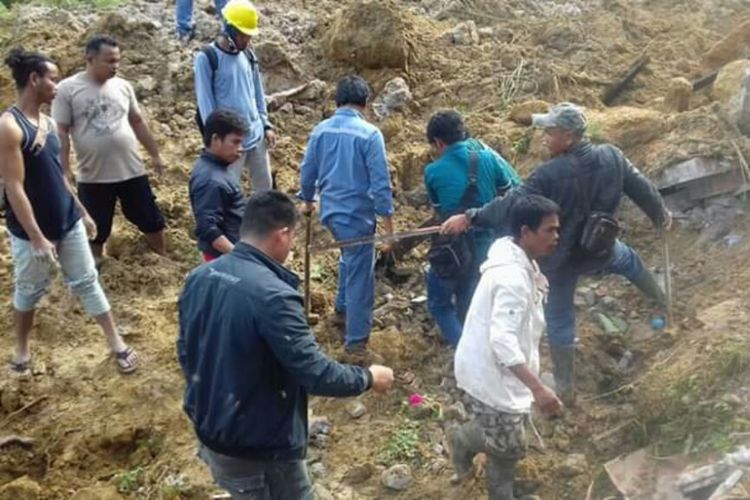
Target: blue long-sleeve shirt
(237, 85)
(346, 162)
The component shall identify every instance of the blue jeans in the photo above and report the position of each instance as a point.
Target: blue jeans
(356, 290)
(184, 14)
(448, 300)
(560, 312)
(32, 276)
(259, 479)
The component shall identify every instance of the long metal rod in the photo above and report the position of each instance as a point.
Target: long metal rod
(668, 279)
(308, 238)
(369, 240)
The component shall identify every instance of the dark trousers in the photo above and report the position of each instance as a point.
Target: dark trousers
(259, 479)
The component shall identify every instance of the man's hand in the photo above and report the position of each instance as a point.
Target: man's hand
(44, 249)
(547, 400)
(307, 208)
(386, 247)
(158, 166)
(456, 225)
(667, 224)
(90, 226)
(382, 378)
(270, 136)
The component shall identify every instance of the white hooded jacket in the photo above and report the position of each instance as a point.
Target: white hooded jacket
(503, 327)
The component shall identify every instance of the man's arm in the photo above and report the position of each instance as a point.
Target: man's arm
(380, 179)
(63, 131)
(510, 304)
(207, 208)
(308, 171)
(13, 173)
(204, 91)
(62, 113)
(260, 96)
(643, 193)
(288, 335)
(143, 133)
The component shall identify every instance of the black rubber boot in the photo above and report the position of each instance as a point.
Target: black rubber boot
(500, 473)
(563, 361)
(646, 283)
(464, 441)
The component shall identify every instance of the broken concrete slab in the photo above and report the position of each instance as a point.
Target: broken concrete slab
(396, 96)
(687, 183)
(732, 90)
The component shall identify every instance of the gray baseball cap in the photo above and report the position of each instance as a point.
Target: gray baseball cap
(565, 115)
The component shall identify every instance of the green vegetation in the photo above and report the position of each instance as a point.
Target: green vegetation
(130, 481)
(402, 445)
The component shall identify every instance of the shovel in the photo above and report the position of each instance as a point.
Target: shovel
(308, 238)
(667, 278)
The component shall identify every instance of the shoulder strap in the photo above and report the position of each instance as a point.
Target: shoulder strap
(469, 196)
(213, 59)
(251, 58)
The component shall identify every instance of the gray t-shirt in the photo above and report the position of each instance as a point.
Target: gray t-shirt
(104, 141)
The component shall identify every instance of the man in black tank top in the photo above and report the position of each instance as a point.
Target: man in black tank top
(46, 222)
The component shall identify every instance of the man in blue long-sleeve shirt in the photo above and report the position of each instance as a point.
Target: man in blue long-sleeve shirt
(236, 83)
(346, 162)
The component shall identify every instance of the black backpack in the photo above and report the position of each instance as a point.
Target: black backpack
(213, 62)
(453, 256)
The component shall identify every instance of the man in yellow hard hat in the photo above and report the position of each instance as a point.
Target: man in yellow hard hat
(227, 76)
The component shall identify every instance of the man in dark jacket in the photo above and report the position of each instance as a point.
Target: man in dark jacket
(581, 178)
(250, 360)
(215, 193)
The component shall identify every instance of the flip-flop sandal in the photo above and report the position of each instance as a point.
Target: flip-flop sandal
(20, 368)
(127, 361)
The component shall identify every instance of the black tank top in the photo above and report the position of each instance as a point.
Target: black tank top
(53, 205)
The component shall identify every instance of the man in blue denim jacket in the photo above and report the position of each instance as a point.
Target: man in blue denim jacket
(345, 162)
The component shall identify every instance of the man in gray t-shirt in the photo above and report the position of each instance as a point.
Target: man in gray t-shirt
(100, 111)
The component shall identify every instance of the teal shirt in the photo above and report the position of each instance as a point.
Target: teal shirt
(447, 177)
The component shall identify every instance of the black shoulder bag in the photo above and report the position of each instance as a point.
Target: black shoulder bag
(599, 230)
(453, 256)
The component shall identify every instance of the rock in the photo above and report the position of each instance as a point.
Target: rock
(465, 33)
(287, 108)
(10, 399)
(398, 477)
(303, 110)
(369, 33)
(145, 86)
(521, 113)
(609, 302)
(315, 91)
(272, 53)
(358, 474)
(573, 465)
(731, 47)
(395, 96)
(321, 493)
(98, 493)
(679, 92)
(23, 488)
(319, 425)
(318, 470)
(626, 126)
(438, 466)
(732, 90)
(456, 411)
(356, 409)
(320, 441)
(486, 33)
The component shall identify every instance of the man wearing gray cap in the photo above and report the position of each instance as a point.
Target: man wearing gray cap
(587, 181)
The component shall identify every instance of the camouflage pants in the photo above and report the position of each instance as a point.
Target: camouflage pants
(501, 436)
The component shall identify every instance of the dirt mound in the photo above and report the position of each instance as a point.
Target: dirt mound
(370, 34)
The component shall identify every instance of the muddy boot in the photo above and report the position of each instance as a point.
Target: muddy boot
(646, 283)
(563, 361)
(500, 473)
(464, 441)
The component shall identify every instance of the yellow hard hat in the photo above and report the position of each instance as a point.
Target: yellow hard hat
(241, 14)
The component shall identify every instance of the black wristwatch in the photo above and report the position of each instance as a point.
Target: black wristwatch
(370, 380)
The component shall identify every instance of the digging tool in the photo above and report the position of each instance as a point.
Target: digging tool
(308, 238)
(369, 240)
(667, 278)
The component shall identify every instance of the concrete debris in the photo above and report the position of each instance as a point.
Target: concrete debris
(356, 409)
(686, 184)
(679, 92)
(399, 477)
(732, 90)
(465, 33)
(396, 96)
(358, 474)
(318, 470)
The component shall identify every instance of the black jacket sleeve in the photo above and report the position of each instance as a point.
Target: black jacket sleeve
(642, 191)
(208, 203)
(495, 214)
(289, 337)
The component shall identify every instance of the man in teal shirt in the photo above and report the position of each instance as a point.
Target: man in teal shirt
(446, 179)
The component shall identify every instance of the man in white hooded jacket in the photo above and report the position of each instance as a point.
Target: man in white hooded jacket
(497, 359)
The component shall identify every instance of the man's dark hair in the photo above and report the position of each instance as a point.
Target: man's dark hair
(352, 90)
(530, 210)
(448, 126)
(96, 42)
(266, 212)
(223, 122)
(22, 64)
